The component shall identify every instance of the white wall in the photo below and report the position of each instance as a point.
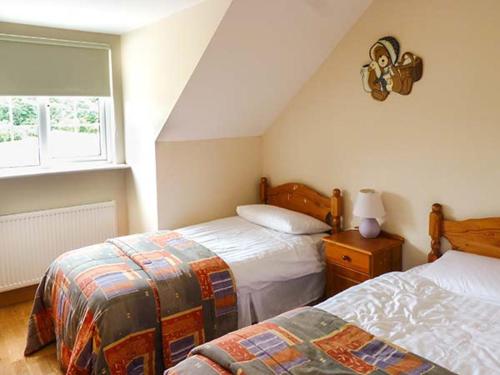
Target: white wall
(261, 54)
(157, 62)
(208, 158)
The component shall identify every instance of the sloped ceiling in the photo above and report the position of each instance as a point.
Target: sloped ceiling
(259, 57)
(105, 16)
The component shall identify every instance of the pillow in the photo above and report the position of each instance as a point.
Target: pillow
(281, 219)
(466, 274)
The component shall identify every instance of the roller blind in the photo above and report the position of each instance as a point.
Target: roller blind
(48, 67)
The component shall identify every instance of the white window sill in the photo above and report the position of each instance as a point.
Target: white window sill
(63, 169)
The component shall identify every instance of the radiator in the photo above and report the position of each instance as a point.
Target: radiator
(29, 242)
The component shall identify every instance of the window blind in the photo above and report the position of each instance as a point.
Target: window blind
(49, 67)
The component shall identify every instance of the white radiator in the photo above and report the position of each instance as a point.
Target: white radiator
(29, 242)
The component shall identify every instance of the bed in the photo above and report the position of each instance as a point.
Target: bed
(140, 303)
(438, 318)
(296, 277)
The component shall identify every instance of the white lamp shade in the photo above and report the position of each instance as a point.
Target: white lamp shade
(369, 204)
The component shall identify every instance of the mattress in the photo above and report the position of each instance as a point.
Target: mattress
(457, 332)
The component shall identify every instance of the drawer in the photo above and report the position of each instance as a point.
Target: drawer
(349, 274)
(340, 278)
(341, 283)
(345, 257)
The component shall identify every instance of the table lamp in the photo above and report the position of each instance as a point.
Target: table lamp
(369, 208)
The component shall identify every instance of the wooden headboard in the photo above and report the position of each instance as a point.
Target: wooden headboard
(301, 198)
(477, 236)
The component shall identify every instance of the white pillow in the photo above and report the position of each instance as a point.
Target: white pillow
(466, 274)
(281, 219)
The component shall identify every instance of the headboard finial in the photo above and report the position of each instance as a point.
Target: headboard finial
(436, 207)
(263, 189)
(336, 210)
(435, 231)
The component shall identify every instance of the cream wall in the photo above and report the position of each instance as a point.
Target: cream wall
(439, 144)
(261, 54)
(157, 63)
(204, 180)
(24, 194)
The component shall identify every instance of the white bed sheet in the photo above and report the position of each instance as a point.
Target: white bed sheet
(459, 333)
(257, 255)
(274, 271)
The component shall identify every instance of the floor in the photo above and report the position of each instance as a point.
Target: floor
(13, 330)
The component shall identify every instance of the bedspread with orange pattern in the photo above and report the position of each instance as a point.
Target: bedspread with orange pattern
(132, 305)
(303, 341)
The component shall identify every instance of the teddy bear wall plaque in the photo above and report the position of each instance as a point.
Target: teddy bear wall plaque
(387, 72)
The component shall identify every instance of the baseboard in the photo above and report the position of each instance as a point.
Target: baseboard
(15, 296)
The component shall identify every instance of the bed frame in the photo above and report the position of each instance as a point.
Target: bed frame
(301, 198)
(476, 236)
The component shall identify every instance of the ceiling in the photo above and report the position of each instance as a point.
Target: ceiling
(105, 16)
(260, 56)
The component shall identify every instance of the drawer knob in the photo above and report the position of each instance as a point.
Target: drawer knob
(346, 258)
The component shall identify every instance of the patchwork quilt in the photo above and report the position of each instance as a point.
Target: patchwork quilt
(303, 341)
(133, 305)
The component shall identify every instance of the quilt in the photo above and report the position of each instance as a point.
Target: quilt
(132, 305)
(303, 341)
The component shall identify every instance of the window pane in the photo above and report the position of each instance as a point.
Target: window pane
(74, 128)
(24, 111)
(4, 112)
(19, 126)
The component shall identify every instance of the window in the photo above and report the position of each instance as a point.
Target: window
(47, 131)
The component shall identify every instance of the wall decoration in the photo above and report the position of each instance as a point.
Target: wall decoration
(388, 73)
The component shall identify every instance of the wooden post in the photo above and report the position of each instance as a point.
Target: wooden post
(263, 190)
(336, 210)
(435, 231)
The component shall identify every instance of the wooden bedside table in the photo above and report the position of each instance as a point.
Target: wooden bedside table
(352, 259)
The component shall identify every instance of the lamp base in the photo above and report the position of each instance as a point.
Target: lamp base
(369, 228)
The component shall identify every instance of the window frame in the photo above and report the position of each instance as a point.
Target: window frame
(45, 160)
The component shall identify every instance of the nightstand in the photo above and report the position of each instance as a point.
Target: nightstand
(352, 259)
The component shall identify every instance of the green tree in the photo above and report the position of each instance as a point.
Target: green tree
(4, 114)
(87, 111)
(24, 112)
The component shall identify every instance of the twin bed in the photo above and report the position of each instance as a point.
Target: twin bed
(140, 303)
(274, 271)
(438, 318)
